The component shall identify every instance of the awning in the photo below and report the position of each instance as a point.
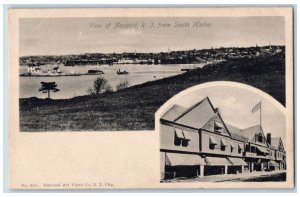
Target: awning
(176, 159)
(223, 142)
(186, 135)
(216, 161)
(241, 146)
(232, 145)
(218, 125)
(261, 149)
(179, 133)
(274, 163)
(212, 140)
(237, 161)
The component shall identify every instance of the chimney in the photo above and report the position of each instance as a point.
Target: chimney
(217, 110)
(269, 138)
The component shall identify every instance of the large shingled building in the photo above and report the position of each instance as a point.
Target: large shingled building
(196, 141)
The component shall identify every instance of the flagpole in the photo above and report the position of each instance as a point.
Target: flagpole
(260, 115)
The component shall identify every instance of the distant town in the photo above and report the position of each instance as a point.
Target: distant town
(171, 57)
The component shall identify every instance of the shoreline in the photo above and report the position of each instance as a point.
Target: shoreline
(134, 108)
(63, 75)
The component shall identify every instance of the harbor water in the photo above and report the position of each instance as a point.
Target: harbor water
(72, 86)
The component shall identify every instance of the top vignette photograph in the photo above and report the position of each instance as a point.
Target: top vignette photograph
(113, 74)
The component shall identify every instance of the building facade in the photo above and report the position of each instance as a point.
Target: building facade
(196, 142)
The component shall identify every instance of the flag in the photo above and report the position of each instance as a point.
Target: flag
(256, 107)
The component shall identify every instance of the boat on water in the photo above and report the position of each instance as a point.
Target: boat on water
(119, 72)
(95, 72)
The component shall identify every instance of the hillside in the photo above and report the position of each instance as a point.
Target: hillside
(134, 108)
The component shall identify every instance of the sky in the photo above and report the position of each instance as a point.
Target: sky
(235, 106)
(61, 36)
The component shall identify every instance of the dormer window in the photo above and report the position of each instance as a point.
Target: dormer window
(260, 138)
(218, 127)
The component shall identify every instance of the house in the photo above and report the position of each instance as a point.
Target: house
(257, 150)
(56, 69)
(196, 141)
(33, 69)
(280, 155)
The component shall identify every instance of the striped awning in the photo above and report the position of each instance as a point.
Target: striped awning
(241, 146)
(176, 159)
(261, 149)
(218, 125)
(212, 140)
(274, 163)
(232, 145)
(216, 161)
(223, 142)
(186, 135)
(179, 133)
(237, 161)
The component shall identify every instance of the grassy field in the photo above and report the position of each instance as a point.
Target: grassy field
(134, 108)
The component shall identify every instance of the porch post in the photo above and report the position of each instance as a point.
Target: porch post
(201, 170)
(242, 168)
(226, 169)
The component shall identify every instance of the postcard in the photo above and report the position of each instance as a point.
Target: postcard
(146, 98)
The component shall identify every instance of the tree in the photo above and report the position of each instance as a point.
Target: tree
(47, 87)
(100, 85)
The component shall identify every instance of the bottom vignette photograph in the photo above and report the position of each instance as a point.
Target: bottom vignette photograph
(223, 133)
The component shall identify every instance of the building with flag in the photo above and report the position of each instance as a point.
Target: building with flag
(197, 141)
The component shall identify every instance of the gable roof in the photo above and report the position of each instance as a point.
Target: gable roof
(216, 120)
(277, 142)
(173, 113)
(251, 131)
(236, 133)
(197, 115)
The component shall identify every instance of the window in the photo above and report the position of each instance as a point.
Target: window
(218, 127)
(186, 135)
(232, 146)
(181, 137)
(260, 138)
(240, 148)
(178, 137)
(187, 138)
(223, 145)
(212, 142)
(248, 148)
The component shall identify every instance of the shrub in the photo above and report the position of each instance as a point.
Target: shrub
(122, 85)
